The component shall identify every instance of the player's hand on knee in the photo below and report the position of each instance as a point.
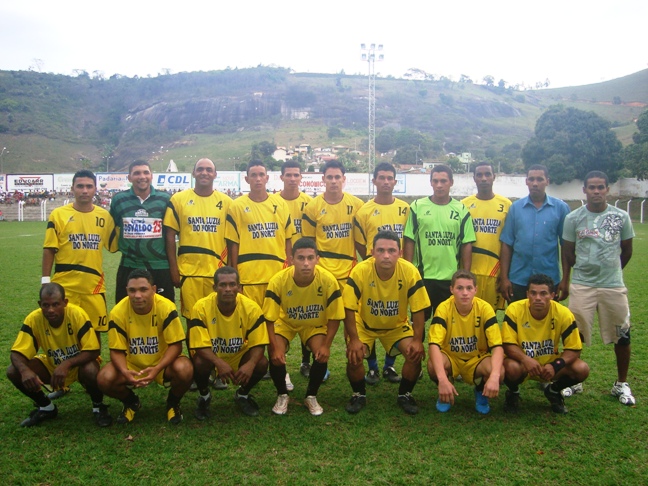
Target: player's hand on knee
(323, 354)
(278, 359)
(491, 388)
(415, 351)
(355, 351)
(225, 372)
(31, 381)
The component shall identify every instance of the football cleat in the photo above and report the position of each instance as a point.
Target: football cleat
(372, 377)
(56, 394)
(356, 403)
(281, 406)
(246, 404)
(37, 416)
(174, 415)
(391, 375)
(128, 412)
(622, 390)
(304, 369)
(313, 407)
(407, 403)
(202, 408)
(443, 407)
(512, 402)
(556, 399)
(481, 403)
(572, 390)
(102, 416)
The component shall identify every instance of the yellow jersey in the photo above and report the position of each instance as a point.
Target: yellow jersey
(296, 207)
(331, 225)
(144, 338)
(383, 304)
(261, 230)
(488, 218)
(373, 217)
(468, 336)
(79, 239)
(200, 224)
(310, 306)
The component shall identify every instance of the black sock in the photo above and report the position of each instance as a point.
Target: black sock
(130, 399)
(480, 386)
(318, 370)
(359, 387)
(563, 383)
(514, 387)
(254, 379)
(202, 382)
(96, 396)
(172, 400)
(278, 375)
(39, 398)
(406, 386)
(306, 354)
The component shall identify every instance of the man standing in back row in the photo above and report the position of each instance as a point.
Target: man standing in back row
(382, 213)
(197, 217)
(138, 213)
(598, 245)
(488, 211)
(530, 239)
(438, 237)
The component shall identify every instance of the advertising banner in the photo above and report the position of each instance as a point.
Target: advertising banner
(3, 182)
(31, 182)
(170, 181)
(231, 181)
(63, 182)
(112, 182)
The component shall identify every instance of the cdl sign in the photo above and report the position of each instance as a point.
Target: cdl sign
(172, 180)
(31, 182)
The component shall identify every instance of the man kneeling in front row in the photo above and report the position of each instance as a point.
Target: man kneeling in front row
(463, 335)
(531, 333)
(228, 333)
(145, 338)
(70, 350)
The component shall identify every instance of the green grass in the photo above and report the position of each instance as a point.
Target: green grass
(599, 442)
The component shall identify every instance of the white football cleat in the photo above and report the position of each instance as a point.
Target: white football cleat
(623, 392)
(281, 406)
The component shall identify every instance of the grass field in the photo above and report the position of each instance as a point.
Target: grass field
(598, 442)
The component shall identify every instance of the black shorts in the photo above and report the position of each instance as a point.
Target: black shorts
(438, 291)
(162, 279)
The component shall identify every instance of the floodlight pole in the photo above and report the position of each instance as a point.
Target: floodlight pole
(369, 55)
(4, 149)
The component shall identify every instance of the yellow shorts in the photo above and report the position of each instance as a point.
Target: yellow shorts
(192, 289)
(234, 360)
(289, 332)
(255, 292)
(389, 338)
(73, 374)
(488, 290)
(95, 307)
(465, 368)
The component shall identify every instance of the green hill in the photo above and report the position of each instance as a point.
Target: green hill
(55, 123)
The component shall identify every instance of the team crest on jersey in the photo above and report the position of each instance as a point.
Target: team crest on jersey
(141, 213)
(289, 293)
(190, 203)
(247, 209)
(71, 219)
(323, 211)
(376, 212)
(372, 284)
(213, 320)
(47, 333)
(472, 206)
(526, 325)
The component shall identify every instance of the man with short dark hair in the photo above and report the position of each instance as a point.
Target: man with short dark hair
(488, 211)
(145, 338)
(258, 234)
(328, 218)
(227, 333)
(532, 332)
(598, 245)
(296, 200)
(530, 239)
(438, 237)
(382, 213)
(197, 217)
(74, 240)
(377, 297)
(139, 213)
(303, 299)
(70, 350)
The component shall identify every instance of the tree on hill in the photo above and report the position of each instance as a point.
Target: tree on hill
(636, 154)
(572, 142)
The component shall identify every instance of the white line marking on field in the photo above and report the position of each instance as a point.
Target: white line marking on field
(16, 236)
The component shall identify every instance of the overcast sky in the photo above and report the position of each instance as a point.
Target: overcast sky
(571, 42)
